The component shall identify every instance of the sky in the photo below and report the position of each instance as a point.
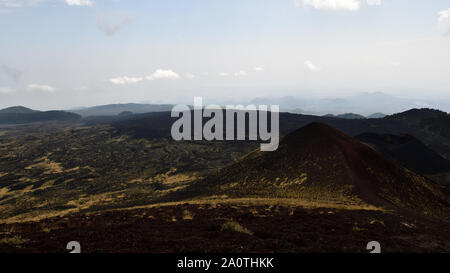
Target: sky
(60, 54)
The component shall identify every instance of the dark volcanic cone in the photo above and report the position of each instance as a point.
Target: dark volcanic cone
(320, 164)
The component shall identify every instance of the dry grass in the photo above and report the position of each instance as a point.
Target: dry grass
(3, 191)
(171, 177)
(284, 202)
(16, 241)
(97, 199)
(51, 167)
(109, 198)
(235, 227)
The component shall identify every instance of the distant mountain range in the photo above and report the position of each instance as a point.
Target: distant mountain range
(116, 109)
(135, 108)
(22, 115)
(346, 116)
(363, 104)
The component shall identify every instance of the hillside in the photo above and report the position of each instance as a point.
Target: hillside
(322, 191)
(51, 169)
(351, 116)
(22, 115)
(440, 125)
(377, 115)
(320, 164)
(17, 110)
(151, 125)
(409, 151)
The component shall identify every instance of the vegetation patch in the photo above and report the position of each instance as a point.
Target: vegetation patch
(16, 241)
(235, 227)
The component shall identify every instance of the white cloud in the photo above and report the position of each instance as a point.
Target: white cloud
(259, 69)
(444, 21)
(223, 74)
(240, 74)
(79, 2)
(163, 74)
(444, 15)
(41, 88)
(311, 66)
(373, 2)
(157, 75)
(6, 90)
(351, 5)
(190, 76)
(125, 80)
(7, 5)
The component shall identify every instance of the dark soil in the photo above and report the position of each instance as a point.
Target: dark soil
(275, 229)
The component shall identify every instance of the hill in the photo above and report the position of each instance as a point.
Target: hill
(351, 116)
(17, 110)
(416, 116)
(115, 109)
(345, 116)
(440, 124)
(434, 121)
(320, 164)
(23, 115)
(377, 115)
(409, 151)
(151, 125)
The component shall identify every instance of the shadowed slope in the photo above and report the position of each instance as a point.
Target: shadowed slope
(409, 151)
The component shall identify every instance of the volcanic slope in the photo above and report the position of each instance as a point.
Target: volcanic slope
(320, 164)
(409, 151)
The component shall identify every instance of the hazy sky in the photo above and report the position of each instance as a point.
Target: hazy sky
(68, 53)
